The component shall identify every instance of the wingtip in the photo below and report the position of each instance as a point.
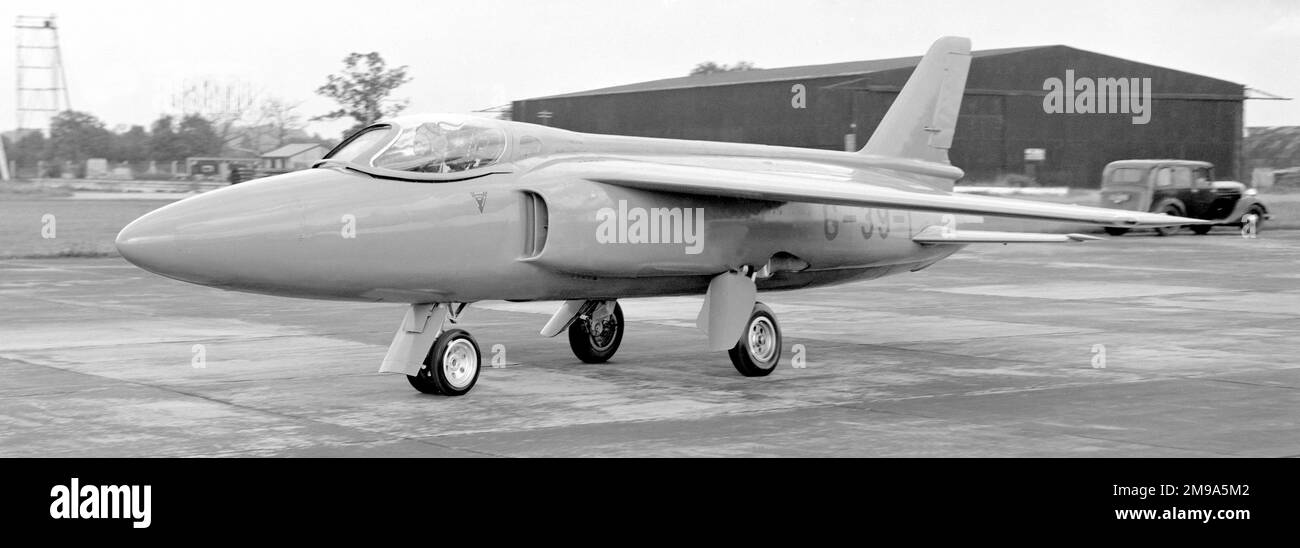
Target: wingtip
(1082, 237)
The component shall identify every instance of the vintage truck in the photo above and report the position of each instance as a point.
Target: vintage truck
(1178, 187)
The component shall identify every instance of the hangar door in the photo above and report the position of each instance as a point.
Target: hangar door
(978, 144)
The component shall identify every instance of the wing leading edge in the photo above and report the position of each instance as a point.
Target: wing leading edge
(834, 190)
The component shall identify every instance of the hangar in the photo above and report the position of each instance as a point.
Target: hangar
(1056, 112)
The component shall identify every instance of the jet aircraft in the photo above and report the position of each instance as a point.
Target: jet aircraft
(440, 211)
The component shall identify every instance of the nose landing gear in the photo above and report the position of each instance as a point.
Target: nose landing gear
(758, 351)
(435, 360)
(452, 366)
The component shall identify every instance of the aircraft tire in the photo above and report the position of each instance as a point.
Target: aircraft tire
(597, 348)
(1116, 230)
(758, 351)
(452, 366)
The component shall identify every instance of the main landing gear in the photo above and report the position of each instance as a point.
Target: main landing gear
(597, 330)
(596, 333)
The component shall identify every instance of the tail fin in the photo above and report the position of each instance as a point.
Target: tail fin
(921, 121)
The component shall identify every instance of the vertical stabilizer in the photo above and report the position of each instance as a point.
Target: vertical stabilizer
(920, 123)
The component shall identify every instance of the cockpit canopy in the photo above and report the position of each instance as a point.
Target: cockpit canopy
(426, 145)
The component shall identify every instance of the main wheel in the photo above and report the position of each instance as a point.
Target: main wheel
(758, 351)
(452, 366)
(1201, 230)
(1169, 230)
(596, 342)
(1116, 230)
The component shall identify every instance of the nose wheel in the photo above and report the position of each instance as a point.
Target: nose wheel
(595, 339)
(758, 351)
(452, 366)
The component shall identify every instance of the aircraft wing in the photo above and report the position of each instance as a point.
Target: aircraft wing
(937, 235)
(820, 188)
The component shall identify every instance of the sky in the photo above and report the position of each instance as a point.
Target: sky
(125, 59)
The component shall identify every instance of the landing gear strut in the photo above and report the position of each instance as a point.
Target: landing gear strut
(595, 335)
(758, 351)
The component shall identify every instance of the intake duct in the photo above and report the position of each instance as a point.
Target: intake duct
(536, 223)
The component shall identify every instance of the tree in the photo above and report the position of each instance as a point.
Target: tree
(224, 104)
(196, 136)
(362, 90)
(131, 145)
(281, 119)
(710, 67)
(163, 145)
(30, 149)
(76, 136)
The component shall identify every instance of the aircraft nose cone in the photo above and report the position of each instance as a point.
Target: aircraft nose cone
(215, 238)
(281, 235)
(145, 244)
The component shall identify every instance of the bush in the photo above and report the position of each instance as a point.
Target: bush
(1018, 180)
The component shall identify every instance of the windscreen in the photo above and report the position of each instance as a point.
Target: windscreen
(444, 147)
(361, 147)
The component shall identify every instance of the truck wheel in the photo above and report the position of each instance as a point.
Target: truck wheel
(1169, 230)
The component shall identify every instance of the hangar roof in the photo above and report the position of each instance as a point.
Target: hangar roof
(851, 68)
(1048, 56)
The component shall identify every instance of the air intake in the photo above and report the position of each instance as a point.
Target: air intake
(536, 223)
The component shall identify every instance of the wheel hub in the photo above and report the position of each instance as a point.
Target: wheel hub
(762, 339)
(459, 362)
(602, 333)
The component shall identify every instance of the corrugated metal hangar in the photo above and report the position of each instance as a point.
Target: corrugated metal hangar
(1076, 110)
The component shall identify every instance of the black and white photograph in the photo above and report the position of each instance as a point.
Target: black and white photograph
(656, 228)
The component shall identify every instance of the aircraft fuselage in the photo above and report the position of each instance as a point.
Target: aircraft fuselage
(333, 233)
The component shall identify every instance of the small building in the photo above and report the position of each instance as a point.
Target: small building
(215, 167)
(1037, 111)
(294, 156)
